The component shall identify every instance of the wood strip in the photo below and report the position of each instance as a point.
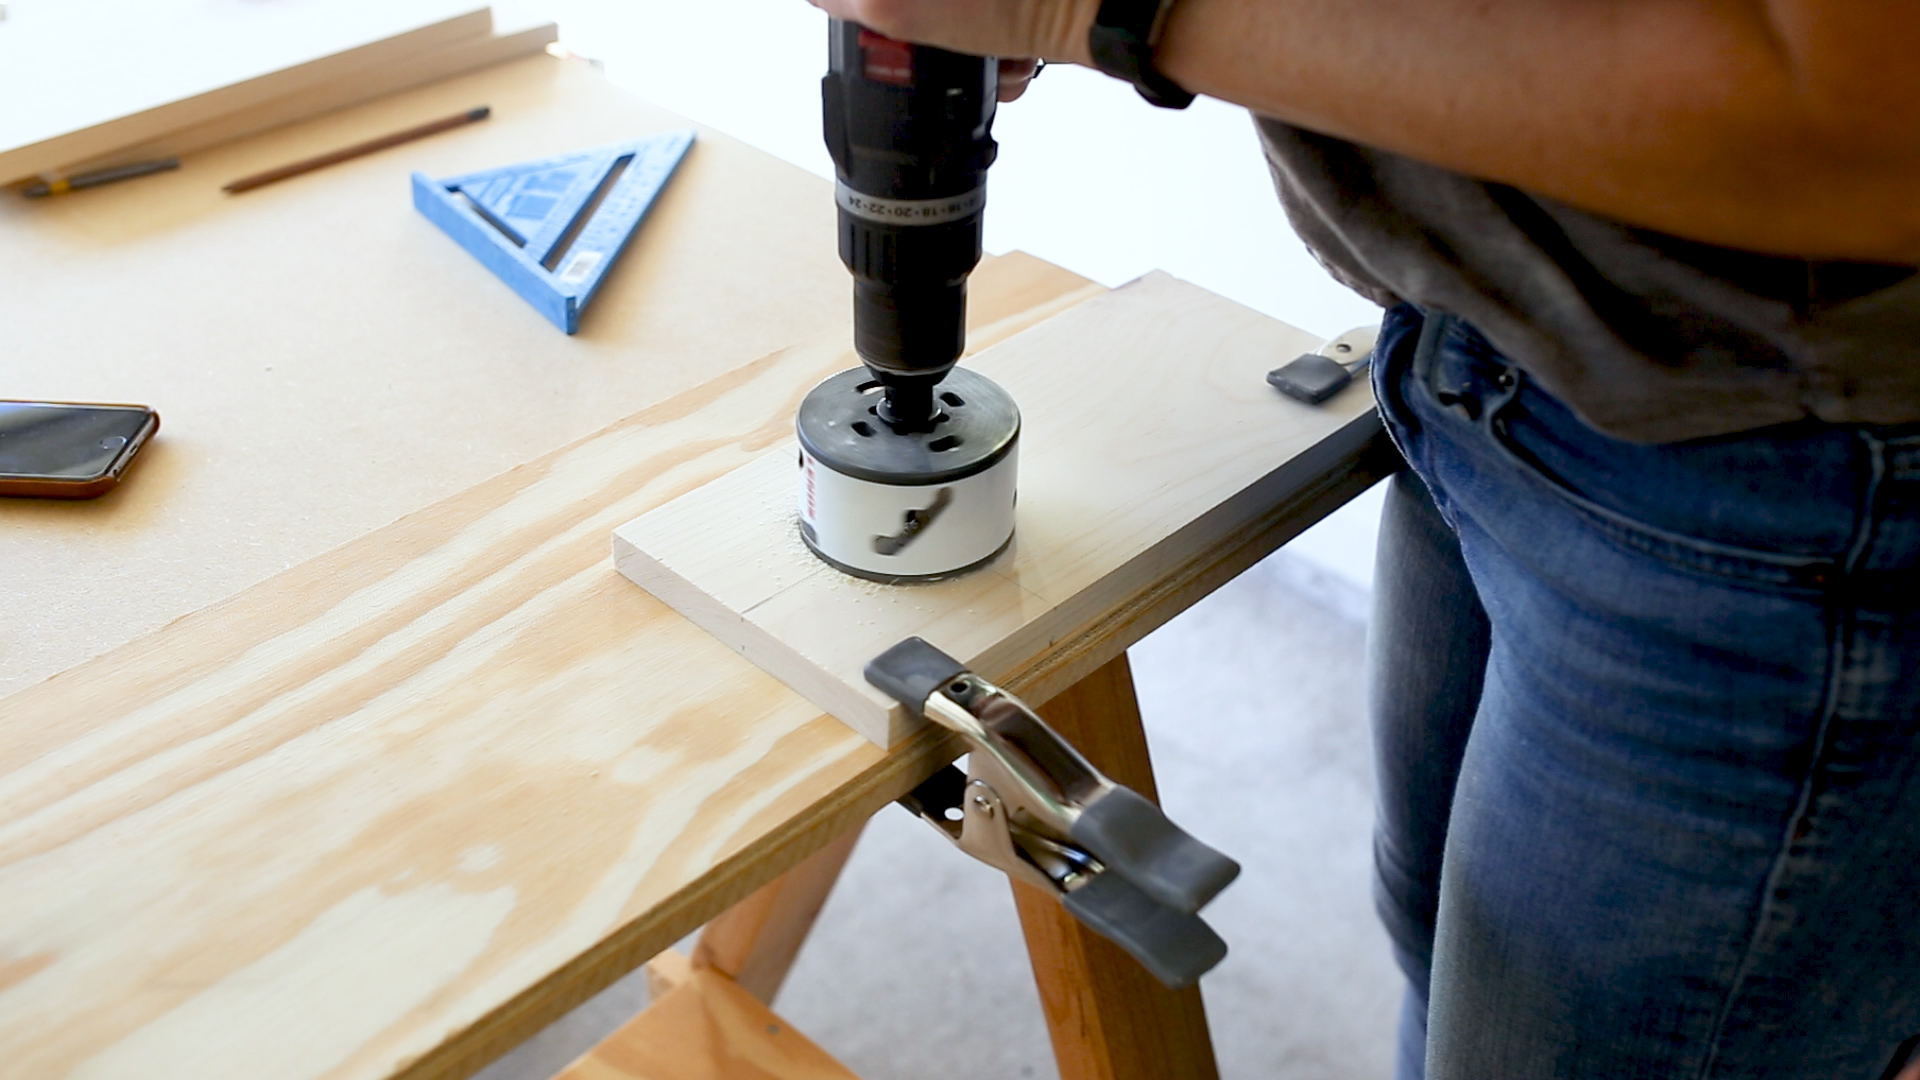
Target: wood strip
(453, 58)
(359, 149)
(275, 57)
(1109, 1019)
(708, 1028)
(398, 808)
(1150, 441)
(756, 942)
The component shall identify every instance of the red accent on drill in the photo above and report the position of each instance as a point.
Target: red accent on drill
(886, 60)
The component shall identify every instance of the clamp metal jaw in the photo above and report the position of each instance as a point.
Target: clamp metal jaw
(1032, 806)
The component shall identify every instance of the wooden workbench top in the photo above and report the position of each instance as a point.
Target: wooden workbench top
(390, 807)
(431, 772)
(324, 359)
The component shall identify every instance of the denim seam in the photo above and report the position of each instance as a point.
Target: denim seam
(1393, 409)
(1839, 634)
(1687, 558)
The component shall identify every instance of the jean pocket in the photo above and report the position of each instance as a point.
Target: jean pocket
(1472, 409)
(1695, 554)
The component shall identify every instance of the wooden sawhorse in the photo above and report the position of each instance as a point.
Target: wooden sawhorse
(1108, 1018)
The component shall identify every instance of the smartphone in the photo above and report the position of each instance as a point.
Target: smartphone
(60, 450)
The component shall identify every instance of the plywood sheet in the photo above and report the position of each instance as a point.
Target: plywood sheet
(1148, 436)
(324, 359)
(392, 811)
(85, 77)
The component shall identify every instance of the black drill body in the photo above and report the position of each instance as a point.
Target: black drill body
(910, 131)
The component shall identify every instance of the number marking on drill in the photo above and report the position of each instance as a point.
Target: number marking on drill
(910, 211)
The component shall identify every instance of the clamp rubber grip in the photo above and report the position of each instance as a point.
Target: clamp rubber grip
(1136, 841)
(1176, 948)
(911, 671)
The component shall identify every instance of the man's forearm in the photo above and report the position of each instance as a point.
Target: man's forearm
(1791, 127)
(1689, 116)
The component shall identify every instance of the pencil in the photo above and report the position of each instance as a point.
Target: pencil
(347, 153)
(78, 181)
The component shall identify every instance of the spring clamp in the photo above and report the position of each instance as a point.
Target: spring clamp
(1032, 806)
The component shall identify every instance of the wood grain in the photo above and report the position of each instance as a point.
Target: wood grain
(404, 804)
(1149, 437)
(1109, 1019)
(707, 1028)
(399, 807)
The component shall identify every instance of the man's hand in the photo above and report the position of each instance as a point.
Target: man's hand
(1053, 29)
(1014, 77)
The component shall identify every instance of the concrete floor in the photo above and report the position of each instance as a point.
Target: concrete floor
(1253, 707)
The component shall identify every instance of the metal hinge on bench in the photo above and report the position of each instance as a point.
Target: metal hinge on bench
(1032, 806)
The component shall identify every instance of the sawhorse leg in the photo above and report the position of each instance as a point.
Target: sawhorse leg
(757, 940)
(1109, 1019)
(708, 1018)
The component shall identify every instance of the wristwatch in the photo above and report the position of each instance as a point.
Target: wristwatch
(1122, 39)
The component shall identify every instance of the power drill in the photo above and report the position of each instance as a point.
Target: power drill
(908, 463)
(909, 128)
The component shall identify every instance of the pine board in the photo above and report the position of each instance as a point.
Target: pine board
(394, 810)
(1149, 436)
(102, 74)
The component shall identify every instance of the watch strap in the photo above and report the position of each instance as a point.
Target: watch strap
(1122, 40)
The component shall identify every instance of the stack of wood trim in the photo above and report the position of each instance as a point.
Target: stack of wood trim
(436, 50)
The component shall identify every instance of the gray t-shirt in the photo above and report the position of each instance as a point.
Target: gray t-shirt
(1649, 337)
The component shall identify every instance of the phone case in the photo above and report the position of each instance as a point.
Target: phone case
(91, 487)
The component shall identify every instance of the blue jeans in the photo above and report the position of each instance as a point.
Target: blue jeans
(1648, 733)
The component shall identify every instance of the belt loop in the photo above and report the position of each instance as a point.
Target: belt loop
(1432, 327)
(1426, 359)
(1902, 456)
(1866, 525)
